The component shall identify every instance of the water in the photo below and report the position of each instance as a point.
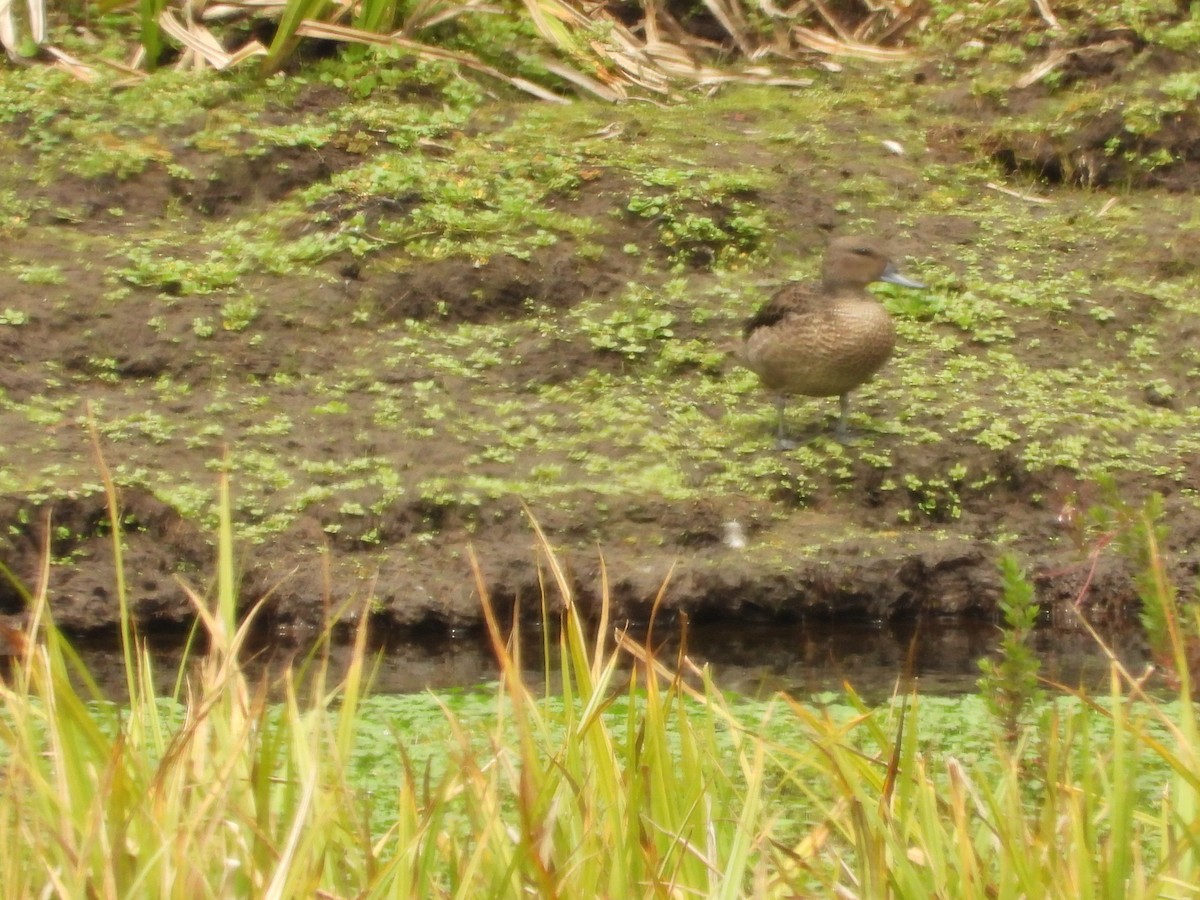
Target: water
(802, 658)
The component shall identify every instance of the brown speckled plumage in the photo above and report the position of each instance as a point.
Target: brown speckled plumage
(825, 340)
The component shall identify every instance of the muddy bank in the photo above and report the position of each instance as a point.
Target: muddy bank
(412, 583)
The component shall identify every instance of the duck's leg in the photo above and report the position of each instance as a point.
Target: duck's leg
(842, 433)
(781, 438)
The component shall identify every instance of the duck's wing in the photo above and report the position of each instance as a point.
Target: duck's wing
(795, 299)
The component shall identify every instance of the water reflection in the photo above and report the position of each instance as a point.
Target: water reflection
(938, 658)
(803, 658)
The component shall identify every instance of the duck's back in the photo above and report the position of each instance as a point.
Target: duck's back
(806, 341)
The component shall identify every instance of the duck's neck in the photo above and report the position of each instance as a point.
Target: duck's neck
(831, 285)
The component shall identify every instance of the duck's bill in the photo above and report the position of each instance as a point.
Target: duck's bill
(891, 276)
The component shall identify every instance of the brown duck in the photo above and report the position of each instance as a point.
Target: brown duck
(827, 339)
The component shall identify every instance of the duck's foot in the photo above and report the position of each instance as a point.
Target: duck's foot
(812, 435)
(841, 433)
(808, 436)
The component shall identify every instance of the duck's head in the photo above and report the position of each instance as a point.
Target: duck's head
(854, 261)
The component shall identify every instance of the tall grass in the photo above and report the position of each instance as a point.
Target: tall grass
(612, 781)
(210, 790)
(203, 790)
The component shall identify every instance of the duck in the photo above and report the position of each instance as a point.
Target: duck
(825, 340)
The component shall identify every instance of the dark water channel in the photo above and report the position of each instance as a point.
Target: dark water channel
(802, 658)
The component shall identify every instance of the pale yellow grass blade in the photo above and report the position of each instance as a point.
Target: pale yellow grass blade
(204, 44)
(428, 13)
(424, 51)
(731, 19)
(37, 20)
(823, 43)
(73, 66)
(612, 92)
(195, 38)
(9, 38)
(8, 28)
(270, 9)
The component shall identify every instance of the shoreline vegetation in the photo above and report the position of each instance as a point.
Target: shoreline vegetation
(614, 782)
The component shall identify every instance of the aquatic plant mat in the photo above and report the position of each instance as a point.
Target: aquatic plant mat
(658, 786)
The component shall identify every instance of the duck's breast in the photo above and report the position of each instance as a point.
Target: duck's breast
(823, 353)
